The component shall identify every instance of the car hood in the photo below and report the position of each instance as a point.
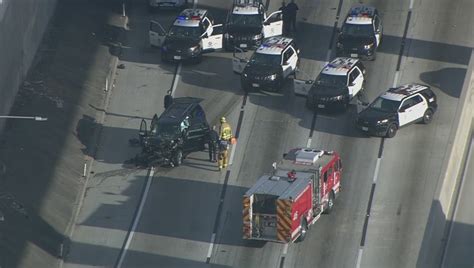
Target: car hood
(258, 69)
(181, 42)
(371, 115)
(243, 29)
(327, 91)
(350, 41)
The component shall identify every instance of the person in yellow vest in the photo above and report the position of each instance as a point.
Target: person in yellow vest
(225, 138)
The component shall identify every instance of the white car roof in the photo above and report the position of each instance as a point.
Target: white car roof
(274, 45)
(339, 66)
(401, 92)
(190, 17)
(245, 10)
(360, 14)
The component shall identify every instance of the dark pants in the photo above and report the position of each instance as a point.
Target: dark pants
(291, 23)
(212, 151)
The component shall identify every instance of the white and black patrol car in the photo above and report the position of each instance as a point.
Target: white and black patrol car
(361, 33)
(247, 25)
(336, 85)
(162, 4)
(191, 35)
(396, 108)
(273, 62)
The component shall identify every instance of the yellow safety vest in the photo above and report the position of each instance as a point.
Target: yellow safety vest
(225, 132)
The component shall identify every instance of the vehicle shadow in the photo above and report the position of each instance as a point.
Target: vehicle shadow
(448, 80)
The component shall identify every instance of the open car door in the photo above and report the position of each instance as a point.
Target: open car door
(215, 41)
(239, 60)
(302, 87)
(157, 34)
(273, 25)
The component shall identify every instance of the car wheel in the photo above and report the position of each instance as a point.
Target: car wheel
(303, 230)
(330, 203)
(178, 158)
(392, 130)
(428, 116)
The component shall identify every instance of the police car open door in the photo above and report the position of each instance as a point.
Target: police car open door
(273, 25)
(156, 33)
(238, 60)
(302, 87)
(215, 40)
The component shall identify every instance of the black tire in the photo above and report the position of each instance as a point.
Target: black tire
(178, 158)
(303, 230)
(330, 203)
(391, 131)
(428, 116)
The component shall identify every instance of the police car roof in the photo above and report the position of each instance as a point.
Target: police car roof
(274, 45)
(179, 109)
(247, 9)
(360, 14)
(401, 92)
(190, 17)
(339, 66)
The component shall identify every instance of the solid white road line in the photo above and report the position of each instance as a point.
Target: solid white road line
(232, 153)
(468, 160)
(209, 251)
(285, 249)
(359, 257)
(176, 79)
(328, 56)
(308, 144)
(411, 4)
(377, 168)
(136, 219)
(395, 80)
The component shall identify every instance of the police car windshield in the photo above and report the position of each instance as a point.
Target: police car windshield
(332, 80)
(385, 105)
(245, 20)
(185, 32)
(358, 30)
(265, 59)
(166, 130)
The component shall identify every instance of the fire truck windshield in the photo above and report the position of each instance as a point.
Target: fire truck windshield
(264, 204)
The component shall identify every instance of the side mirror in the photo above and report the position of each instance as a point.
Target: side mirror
(309, 82)
(285, 63)
(352, 84)
(266, 23)
(402, 110)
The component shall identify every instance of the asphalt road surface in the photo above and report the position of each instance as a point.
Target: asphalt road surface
(191, 216)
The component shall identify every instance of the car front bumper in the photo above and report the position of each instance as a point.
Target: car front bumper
(242, 43)
(356, 52)
(252, 84)
(181, 55)
(371, 129)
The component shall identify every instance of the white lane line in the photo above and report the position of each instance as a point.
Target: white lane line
(395, 80)
(232, 153)
(359, 257)
(209, 251)
(411, 4)
(176, 79)
(377, 168)
(328, 56)
(136, 219)
(468, 160)
(285, 249)
(308, 144)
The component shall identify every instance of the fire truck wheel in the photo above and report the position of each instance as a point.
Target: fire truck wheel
(303, 230)
(178, 158)
(330, 203)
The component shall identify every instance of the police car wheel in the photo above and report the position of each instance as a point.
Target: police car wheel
(178, 158)
(391, 131)
(428, 116)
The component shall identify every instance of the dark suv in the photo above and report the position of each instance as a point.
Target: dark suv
(181, 129)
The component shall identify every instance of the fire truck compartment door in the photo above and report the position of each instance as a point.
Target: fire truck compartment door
(156, 33)
(273, 25)
(238, 60)
(302, 87)
(215, 41)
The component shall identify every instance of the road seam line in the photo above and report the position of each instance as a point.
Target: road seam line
(211, 246)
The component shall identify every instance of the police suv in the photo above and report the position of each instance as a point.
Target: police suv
(361, 33)
(159, 4)
(396, 108)
(191, 35)
(339, 81)
(247, 24)
(268, 67)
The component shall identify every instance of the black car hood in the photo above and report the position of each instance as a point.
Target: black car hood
(327, 91)
(351, 41)
(244, 30)
(257, 69)
(373, 115)
(181, 43)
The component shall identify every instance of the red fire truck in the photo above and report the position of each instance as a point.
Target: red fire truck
(282, 205)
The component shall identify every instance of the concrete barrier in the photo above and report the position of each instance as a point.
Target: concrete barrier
(437, 227)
